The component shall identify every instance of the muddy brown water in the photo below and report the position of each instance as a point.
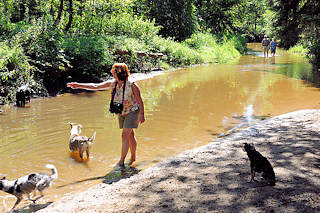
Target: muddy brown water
(184, 109)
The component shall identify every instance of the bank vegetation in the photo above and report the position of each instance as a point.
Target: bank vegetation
(47, 43)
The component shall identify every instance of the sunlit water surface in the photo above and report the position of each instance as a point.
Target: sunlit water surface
(184, 109)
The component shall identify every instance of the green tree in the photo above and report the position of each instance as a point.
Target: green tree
(218, 15)
(176, 17)
(299, 21)
(288, 20)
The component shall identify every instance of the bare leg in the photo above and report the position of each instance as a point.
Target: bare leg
(133, 147)
(125, 145)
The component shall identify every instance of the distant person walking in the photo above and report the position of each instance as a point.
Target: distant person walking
(265, 44)
(273, 47)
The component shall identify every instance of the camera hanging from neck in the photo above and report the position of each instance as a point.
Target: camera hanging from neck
(117, 107)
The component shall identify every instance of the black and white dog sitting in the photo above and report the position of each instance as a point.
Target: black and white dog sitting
(29, 183)
(259, 164)
(22, 95)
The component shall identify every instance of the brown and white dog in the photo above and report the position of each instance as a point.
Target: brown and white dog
(79, 142)
(29, 183)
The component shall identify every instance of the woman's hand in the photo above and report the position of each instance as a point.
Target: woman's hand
(136, 92)
(73, 85)
(141, 117)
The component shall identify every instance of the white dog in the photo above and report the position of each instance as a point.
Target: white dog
(80, 142)
(29, 183)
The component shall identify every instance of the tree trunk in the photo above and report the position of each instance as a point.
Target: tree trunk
(5, 5)
(70, 16)
(57, 21)
(51, 9)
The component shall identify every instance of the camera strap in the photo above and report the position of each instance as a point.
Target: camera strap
(114, 91)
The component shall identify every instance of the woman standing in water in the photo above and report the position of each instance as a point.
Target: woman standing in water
(127, 94)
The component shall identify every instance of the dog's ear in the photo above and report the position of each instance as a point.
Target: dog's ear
(4, 178)
(71, 124)
(79, 128)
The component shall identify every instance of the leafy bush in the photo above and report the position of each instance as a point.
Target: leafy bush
(176, 53)
(201, 40)
(89, 56)
(314, 49)
(41, 42)
(213, 51)
(130, 26)
(15, 71)
(298, 49)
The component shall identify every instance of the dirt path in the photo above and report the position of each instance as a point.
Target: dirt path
(214, 178)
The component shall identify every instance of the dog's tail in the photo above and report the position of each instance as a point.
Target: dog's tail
(54, 171)
(92, 138)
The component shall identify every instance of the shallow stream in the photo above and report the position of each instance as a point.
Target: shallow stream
(184, 109)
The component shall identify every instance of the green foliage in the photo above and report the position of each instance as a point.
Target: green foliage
(299, 49)
(130, 26)
(38, 46)
(176, 53)
(5, 24)
(288, 13)
(13, 63)
(89, 56)
(217, 15)
(42, 44)
(314, 48)
(211, 50)
(299, 23)
(199, 40)
(14, 71)
(176, 17)
(254, 19)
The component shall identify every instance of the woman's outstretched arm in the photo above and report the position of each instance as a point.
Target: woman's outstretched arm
(90, 86)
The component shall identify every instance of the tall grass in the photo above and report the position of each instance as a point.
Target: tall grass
(211, 50)
(299, 49)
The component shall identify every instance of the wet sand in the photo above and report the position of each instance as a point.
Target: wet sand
(215, 177)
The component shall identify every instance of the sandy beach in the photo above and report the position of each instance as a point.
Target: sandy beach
(215, 177)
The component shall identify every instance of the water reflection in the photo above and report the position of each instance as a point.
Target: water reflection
(184, 109)
(294, 66)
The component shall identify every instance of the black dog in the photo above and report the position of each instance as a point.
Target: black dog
(258, 163)
(22, 95)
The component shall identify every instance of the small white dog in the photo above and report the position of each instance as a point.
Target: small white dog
(29, 183)
(80, 142)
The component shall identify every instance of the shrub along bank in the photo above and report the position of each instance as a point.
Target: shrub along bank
(46, 58)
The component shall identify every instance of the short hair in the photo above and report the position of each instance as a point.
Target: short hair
(122, 66)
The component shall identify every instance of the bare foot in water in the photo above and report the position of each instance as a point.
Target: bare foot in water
(121, 164)
(131, 161)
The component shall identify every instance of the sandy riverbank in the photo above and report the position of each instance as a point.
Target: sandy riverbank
(214, 178)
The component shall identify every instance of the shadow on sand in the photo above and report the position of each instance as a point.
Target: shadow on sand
(32, 208)
(216, 177)
(118, 173)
